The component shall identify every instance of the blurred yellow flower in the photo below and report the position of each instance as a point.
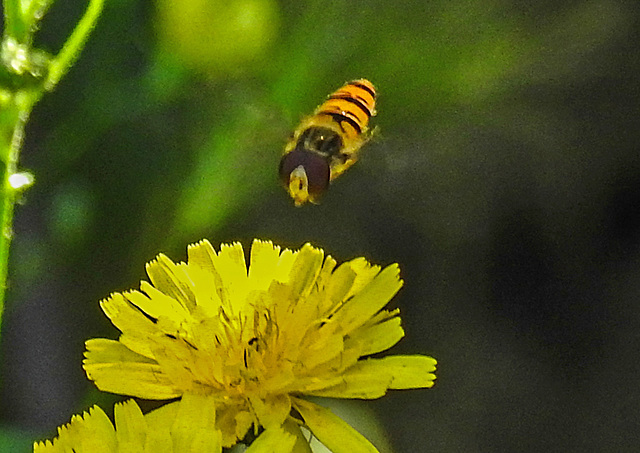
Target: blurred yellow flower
(256, 341)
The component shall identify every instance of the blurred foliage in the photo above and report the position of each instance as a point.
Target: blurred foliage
(216, 37)
(505, 180)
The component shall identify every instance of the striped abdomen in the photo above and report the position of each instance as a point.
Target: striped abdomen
(351, 107)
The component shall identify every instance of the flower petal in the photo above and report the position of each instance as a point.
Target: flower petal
(370, 379)
(354, 385)
(232, 268)
(323, 347)
(371, 299)
(407, 371)
(131, 427)
(115, 368)
(201, 254)
(157, 304)
(271, 410)
(124, 316)
(194, 429)
(162, 418)
(263, 268)
(376, 337)
(331, 430)
(302, 444)
(158, 442)
(135, 325)
(92, 432)
(326, 272)
(365, 272)
(208, 285)
(273, 440)
(234, 421)
(305, 270)
(338, 286)
(347, 280)
(173, 280)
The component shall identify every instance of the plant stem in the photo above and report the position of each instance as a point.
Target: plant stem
(19, 111)
(16, 105)
(14, 24)
(73, 46)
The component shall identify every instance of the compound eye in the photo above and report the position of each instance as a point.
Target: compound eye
(304, 175)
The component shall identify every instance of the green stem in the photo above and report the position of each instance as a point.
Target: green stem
(14, 24)
(71, 49)
(35, 12)
(20, 110)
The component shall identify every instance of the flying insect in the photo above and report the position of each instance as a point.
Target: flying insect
(327, 143)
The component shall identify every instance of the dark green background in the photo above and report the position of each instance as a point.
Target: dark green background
(505, 180)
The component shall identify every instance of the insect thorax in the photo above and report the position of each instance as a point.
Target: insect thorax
(320, 140)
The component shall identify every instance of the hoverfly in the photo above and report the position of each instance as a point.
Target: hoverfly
(326, 143)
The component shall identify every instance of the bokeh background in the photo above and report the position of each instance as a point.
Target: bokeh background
(505, 179)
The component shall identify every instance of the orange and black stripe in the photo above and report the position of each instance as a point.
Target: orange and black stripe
(352, 106)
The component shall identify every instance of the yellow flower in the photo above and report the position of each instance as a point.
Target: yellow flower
(257, 341)
(185, 427)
